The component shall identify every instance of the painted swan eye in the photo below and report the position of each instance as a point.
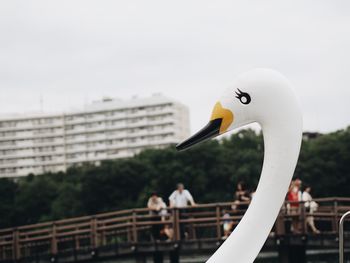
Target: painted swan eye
(243, 97)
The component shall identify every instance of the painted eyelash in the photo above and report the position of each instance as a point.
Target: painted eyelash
(240, 94)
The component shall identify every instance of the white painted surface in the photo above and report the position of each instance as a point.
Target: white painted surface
(275, 107)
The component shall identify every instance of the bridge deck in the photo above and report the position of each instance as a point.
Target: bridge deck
(129, 232)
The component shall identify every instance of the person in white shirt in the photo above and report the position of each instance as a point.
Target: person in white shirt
(181, 197)
(156, 203)
(157, 208)
(311, 206)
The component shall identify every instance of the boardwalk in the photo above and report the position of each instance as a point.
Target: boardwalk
(128, 234)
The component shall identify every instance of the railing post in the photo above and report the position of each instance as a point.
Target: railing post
(173, 216)
(303, 217)
(177, 223)
(54, 247)
(218, 221)
(76, 239)
(134, 227)
(15, 245)
(192, 229)
(93, 233)
(335, 222)
(280, 227)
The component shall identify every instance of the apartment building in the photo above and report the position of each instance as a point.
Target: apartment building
(103, 130)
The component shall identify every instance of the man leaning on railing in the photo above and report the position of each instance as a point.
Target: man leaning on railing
(157, 209)
(180, 198)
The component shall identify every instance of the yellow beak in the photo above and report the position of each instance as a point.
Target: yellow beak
(220, 121)
(226, 115)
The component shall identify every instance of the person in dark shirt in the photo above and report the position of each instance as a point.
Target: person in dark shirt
(242, 197)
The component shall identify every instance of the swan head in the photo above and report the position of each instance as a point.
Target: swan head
(266, 97)
(260, 95)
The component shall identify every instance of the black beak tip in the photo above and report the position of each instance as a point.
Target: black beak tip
(184, 145)
(180, 147)
(209, 131)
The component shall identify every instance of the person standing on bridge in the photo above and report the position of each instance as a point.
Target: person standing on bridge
(180, 198)
(157, 208)
(242, 198)
(311, 207)
(294, 198)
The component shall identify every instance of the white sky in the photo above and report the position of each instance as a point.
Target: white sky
(73, 52)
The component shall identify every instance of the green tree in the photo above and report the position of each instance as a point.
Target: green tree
(33, 200)
(210, 171)
(8, 190)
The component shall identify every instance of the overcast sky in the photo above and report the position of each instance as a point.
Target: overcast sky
(74, 52)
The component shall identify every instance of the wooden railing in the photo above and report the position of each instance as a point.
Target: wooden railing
(134, 226)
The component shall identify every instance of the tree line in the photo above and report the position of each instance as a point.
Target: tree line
(210, 171)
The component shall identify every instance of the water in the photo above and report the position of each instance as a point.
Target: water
(324, 256)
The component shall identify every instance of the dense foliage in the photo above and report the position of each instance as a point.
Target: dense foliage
(210, 171)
